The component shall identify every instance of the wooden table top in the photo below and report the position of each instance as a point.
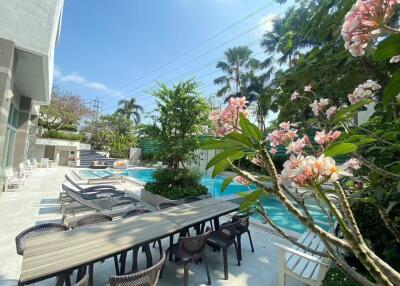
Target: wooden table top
(189, 214)
(52, 254)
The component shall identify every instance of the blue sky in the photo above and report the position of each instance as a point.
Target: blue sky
(108, 48)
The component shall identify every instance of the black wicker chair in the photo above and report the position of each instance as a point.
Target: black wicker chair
(147, 277)
(135, 250)
(224, 238)
(189, 250)
(86, 221)
(36, 231)
(242, 228)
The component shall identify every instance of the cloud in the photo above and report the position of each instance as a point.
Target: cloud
(76, 78)
(267, 23)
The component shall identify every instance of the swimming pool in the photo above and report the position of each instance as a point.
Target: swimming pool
(276, 211)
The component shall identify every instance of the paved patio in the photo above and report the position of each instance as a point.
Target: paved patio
(37, 202)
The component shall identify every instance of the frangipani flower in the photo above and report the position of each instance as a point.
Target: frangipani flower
(331, 111)
(323, 138)
(307, 88)
(319, 106)
(241, 180)
(295, 95)
(307, 171)
(352, 163)
(227, 120)
(365, 90)
(395, 59)
(364, 21)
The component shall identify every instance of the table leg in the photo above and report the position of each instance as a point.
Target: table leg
(61, 279)
(135, 251)
(171, 242)
(91, 275)
(147, 251)
(216, 223)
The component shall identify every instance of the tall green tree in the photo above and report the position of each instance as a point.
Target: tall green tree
(181, 116)
(130, 109)
(237, 67)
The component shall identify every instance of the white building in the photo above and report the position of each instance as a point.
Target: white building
(29, 32)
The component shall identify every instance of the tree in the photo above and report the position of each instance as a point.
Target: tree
(117, 123)
(182, 115)
(237, 68)
(130, 109)
(65, 108)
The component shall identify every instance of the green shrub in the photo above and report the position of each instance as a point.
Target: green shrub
(335, 277)
(62, 135)
(176, 184)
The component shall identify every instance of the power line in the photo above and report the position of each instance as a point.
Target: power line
(199, 44)
(189, 62)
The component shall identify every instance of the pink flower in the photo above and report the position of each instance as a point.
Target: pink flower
(353, 163)
(295, 95)
(363, 22)
(323, 138)
(273, 151)
(297, 147)
(227, 120)
(285, 125)
(307, 88)
(331, 111)
(241, 180)
(319, 106)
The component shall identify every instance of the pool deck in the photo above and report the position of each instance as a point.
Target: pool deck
(37, 202)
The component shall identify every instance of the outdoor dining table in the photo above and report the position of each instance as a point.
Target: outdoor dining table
(60, 253)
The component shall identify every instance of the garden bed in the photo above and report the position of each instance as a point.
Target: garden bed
(154, 199)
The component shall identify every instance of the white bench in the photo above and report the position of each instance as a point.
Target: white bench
(301, 265)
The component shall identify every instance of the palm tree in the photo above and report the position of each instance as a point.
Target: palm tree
(130, 109)
(237, 68)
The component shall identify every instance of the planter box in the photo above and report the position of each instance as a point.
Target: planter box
(154, 199)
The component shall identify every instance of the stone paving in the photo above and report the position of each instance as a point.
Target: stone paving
(37, 202)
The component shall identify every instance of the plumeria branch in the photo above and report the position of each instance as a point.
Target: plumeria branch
(390, 225)
(265, 216)
(375, 168)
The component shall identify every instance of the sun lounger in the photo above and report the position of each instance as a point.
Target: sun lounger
(81, 202)
(96, 188)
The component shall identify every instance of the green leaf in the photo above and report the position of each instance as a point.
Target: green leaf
(349, 111)
(240, 138)
(340, 149)
(387, 52)
(223, 155)
(226, 183)
(249, 128)
(212, 144)
(388, 48)
(392, 88)
(224, 163)
(250, 199)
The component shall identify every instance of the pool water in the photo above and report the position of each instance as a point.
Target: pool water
(274, 208)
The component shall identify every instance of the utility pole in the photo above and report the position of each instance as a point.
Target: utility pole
(96, 107)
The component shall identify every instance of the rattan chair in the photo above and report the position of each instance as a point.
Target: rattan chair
(224, 238)
(36, 231)
(147, 277)
(189, 250)
(242, 228)
(135, 250)
(87, 220)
